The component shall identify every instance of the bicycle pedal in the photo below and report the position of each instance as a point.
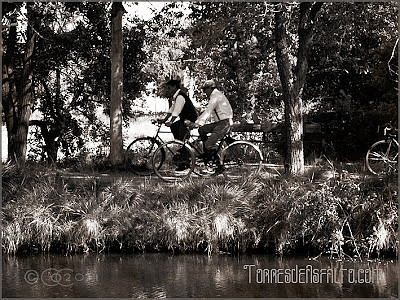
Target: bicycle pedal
(219, 170)
(208, 171)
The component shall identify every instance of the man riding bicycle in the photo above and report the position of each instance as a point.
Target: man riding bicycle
(220, 114)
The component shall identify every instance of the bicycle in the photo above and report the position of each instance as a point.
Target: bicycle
(237, 159)
(138, 155)
(382, 157)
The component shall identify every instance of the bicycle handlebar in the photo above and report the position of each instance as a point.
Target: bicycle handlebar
(388, 127)
(156, 122)
(191, 125)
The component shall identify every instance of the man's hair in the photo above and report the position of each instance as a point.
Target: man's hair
(172, 82)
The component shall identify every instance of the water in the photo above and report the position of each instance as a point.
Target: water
(166, 275)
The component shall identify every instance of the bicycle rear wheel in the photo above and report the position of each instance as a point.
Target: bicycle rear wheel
(139, 154)
(382, 157)
(241, 159)
(175, 161)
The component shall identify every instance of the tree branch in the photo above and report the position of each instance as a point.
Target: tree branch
(308, 13)
(391, 71)
(282, 48)
(41, 124)
(48, 95)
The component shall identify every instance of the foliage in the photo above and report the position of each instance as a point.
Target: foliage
(348, 72)
(347, 135)
(350, 56)
(166, 43)
(234, 43)
(72, 71)
(348, 76)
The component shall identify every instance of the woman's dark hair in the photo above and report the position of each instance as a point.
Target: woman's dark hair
(172, 82)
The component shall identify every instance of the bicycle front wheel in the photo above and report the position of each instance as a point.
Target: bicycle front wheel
(139, 154)
(382, 157)
(241, 159)
(173, 161)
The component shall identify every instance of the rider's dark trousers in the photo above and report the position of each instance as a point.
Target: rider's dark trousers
(179, 130)
(218, 130)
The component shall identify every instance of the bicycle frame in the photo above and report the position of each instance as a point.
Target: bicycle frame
(181, 158)
(187, 141)
(392, 139)
(157, 134)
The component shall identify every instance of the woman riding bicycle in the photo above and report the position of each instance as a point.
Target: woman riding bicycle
(182, 109)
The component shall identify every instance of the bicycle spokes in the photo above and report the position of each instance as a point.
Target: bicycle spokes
(382, 157)
(177, 163)
(241, 160)
(138, 156)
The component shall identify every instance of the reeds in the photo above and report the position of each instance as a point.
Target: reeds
(346, 216)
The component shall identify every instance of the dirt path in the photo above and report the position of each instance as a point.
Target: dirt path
(107, 178)
(77, 178)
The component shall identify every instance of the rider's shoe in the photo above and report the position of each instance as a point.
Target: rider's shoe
(210, 156)
(207, 171)
(182, 167)
(229, 140)
(219, 170)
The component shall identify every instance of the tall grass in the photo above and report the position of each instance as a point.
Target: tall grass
(344, 216)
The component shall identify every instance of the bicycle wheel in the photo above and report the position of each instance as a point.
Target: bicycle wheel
(241, 159)
(382, 157)
(175, 161)
(138, 155)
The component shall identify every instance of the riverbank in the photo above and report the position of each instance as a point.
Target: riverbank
(346, 216)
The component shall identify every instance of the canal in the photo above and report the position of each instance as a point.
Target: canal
(194, 275)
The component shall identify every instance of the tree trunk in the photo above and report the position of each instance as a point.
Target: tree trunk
(116, 150)
(53, 128)
(18, 98)
(25, 96)
(293, 79)
(294, 154)
(8, 87)
(51, 143)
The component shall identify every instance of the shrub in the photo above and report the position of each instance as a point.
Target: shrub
(344, 216)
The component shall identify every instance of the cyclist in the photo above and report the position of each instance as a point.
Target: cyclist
(220, 114)
(181, 109)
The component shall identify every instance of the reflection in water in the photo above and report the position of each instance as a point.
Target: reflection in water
(164, 275)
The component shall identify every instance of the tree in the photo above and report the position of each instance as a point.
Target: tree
(233, 42)
(351, 51)
(17, 86)
(166, 43)
(292, 74)
(116, 84)
(351, 84)
(239, 39)
(71, 73)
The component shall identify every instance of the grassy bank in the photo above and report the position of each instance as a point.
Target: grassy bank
(344, 216)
